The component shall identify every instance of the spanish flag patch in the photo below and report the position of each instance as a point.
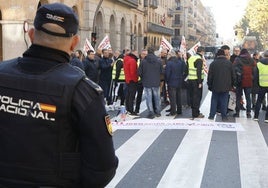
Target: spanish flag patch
(109, 125)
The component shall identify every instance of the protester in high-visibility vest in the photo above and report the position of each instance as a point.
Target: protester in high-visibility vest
(118, 76)
(261, 76)
(195, 80)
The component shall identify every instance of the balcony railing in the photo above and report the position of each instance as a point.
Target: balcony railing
(131, 3)
(176, 23)
(152, 27)
(153, 4)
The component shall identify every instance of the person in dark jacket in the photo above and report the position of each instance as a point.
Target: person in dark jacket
(174, 77)
(91, 66)
(243, 71)
(106, 67)
(56, 132)
(76, 59)
(260, 77)
(150, 70)
(220, 82)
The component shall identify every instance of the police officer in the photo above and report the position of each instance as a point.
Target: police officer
(54, 129)
(195, 81)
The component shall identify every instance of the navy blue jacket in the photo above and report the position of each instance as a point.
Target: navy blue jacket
(174, 72)
(150, 70)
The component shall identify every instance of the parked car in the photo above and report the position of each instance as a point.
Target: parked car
(209, 55)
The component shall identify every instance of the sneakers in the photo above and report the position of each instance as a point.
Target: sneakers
(248, 115)
(266, 121)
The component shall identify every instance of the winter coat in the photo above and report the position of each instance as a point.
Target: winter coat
(131, 68)
(174, 72)
(150, 70)
(220, 75)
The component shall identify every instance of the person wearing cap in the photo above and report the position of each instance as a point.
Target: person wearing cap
(260, 77)
(195, 81)
(55, 131)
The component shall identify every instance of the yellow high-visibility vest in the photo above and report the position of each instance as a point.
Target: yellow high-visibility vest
(263, 74)
(122, 73)
(192, 73)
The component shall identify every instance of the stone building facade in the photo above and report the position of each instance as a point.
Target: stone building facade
(133, 24)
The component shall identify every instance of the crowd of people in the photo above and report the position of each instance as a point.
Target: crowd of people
(125, 76)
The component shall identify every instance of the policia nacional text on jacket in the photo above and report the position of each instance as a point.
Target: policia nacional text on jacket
(54, 128)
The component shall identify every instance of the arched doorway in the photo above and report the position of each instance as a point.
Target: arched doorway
(123, 34)
(99, 28)
(112, 32)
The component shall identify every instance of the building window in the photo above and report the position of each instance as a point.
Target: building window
(177, 32)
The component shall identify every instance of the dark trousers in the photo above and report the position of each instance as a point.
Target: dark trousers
(195, 97)
(139, 97)
(106, 87)
(247, 91)
(175, 99)
(130, 96)
(261, 95)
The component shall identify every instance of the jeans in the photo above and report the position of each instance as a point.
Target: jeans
(247, 91)
(152, 93)
(219, 99)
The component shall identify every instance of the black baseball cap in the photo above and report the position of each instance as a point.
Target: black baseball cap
(57, 13)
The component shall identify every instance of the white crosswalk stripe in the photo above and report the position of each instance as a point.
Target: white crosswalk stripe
(189, 165)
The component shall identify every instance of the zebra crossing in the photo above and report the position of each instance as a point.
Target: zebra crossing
(181, 158)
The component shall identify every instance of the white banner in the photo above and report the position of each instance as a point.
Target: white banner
(88, 46)
(165, 44)
(144, 123)
(193, 50)
(105, 43)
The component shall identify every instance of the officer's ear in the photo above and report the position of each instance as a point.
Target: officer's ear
(75, 41)
(31, 34)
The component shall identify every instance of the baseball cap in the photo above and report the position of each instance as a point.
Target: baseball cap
(59, 14)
